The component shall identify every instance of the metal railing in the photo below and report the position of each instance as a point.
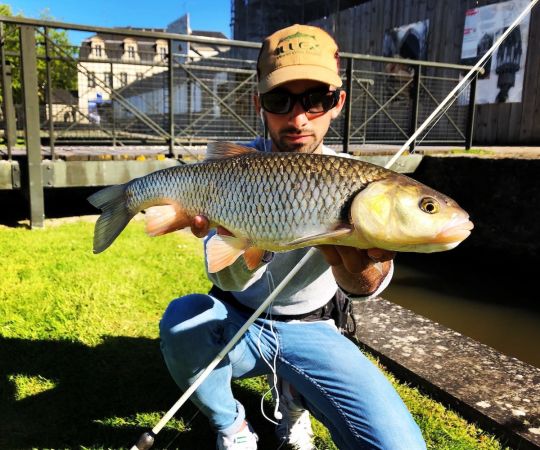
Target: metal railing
(180, 100)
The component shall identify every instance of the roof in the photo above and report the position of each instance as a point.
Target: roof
(114, 44)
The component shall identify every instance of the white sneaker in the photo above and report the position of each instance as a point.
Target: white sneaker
(245, 439)
(294, 428)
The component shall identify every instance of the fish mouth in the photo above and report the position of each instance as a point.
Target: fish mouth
(456, 230)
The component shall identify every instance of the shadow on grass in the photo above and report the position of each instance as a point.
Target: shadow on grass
(120, 378)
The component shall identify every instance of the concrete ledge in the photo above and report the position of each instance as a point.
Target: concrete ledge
(9, 171)
(500, 393)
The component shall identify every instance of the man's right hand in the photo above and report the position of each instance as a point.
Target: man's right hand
(200, 226)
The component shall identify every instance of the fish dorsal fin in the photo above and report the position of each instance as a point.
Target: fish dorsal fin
(222, 251)
(316, 239)
(221, 150)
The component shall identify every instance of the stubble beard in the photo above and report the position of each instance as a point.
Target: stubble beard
(281, 145)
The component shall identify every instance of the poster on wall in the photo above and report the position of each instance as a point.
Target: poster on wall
(502, 81)
(407, 41)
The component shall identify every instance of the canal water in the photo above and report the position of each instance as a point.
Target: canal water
(492, 298)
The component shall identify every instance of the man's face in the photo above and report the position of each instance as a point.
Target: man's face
(298, 130)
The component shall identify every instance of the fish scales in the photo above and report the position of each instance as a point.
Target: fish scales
(264, 197)
(281, 201)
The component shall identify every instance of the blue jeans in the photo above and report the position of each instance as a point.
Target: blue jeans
(338, 384)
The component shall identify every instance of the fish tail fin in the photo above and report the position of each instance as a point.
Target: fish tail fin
(114, 218)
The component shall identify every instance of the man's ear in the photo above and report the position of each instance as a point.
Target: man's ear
(257, 102)
(334, 113)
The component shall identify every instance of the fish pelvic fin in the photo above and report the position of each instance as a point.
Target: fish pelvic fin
(114, 218)
(221, 150)
(165, 219)
(253, 257)
(222, 251)
(317, 239)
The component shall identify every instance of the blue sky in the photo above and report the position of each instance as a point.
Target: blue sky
(208, 15)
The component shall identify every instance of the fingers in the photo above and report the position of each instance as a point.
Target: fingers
(331, 255)
(353, 259)
(200, 226)
(380, 255)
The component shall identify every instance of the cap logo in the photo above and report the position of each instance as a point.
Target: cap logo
(298, 42)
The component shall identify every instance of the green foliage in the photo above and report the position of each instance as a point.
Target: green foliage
(80, 359)
(63, 72)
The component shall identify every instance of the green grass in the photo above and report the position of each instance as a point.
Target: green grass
(472, 151)
(80, 365)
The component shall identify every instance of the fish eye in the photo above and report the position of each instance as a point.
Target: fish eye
(429, 205)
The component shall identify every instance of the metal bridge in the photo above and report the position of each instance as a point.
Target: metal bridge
(127, 102)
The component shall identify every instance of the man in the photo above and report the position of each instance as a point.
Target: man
(319, 369)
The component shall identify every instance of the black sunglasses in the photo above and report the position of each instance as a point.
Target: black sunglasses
(279, 101)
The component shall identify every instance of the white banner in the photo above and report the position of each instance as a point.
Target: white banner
(503, 80)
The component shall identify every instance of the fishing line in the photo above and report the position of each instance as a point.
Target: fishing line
(147, 438)
(469, 74)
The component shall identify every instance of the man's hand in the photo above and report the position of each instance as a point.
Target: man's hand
(357, 271)
(200, 226)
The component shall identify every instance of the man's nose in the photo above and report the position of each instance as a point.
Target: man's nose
(298, 116)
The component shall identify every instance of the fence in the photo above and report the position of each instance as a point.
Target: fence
(129, 93)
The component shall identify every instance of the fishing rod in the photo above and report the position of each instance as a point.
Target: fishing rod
(465, 79)
(146, 440)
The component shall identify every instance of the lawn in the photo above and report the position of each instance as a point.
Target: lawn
(80, 365)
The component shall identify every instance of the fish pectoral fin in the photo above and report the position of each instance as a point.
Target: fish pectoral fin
(222, 251)
(220, 150)
(165, 219)
(315, 239)
(253, 257)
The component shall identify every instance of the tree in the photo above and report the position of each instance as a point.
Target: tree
(63, 64)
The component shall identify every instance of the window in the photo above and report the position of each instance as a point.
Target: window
(107, 79)
(130, 49)
(123, 78)
(163, 53)
(97, 48)
(91, 79)
(139, 76)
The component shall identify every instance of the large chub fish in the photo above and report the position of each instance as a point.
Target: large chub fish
(283, 201)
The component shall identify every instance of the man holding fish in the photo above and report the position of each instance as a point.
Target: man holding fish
(319, 369)
(269, 203)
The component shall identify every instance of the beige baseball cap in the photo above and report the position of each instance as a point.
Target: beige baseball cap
(298, 52)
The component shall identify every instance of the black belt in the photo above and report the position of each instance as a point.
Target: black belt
(325, 312)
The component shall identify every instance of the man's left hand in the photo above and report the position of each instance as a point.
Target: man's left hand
(358, 271)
